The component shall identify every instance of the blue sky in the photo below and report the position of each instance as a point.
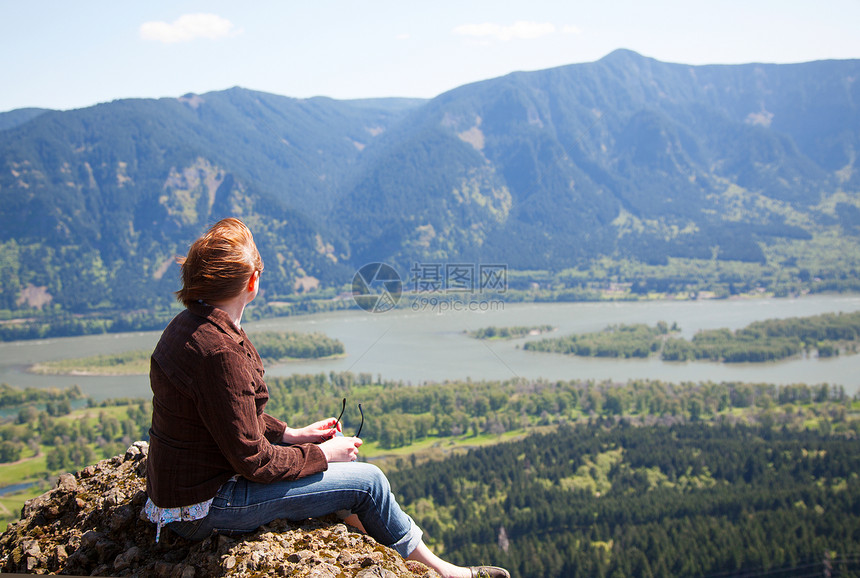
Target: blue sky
(61, 54)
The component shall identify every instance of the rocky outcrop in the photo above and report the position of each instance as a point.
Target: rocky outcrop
(91, 524)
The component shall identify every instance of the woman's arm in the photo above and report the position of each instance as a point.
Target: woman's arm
(229, 399)
(336, 449)
(316, 433)
(341, 449)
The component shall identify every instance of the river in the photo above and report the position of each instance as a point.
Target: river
(421, 346)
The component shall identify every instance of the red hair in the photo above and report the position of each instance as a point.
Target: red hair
(219, 264)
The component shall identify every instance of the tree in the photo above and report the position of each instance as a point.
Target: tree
(10, 451)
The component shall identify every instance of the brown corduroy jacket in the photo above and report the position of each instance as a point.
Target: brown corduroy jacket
(208, 422)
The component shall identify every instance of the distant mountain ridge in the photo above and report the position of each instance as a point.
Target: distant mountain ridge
(103, 198)
(592, 156)
(625, 157)
(17, 117)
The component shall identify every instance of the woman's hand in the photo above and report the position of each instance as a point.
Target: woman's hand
(315, 433)
(341, 449)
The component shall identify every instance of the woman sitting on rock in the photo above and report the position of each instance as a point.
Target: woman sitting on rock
(217, 461)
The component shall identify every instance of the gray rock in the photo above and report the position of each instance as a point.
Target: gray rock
(324, 571)
(90, 538)
(112, 497)
(229, 562)
(67, 483)
(301, 556)
(122, 517)
(183, 571)
(106, 549)
(31, 548)
(376, 572)
(60, 555)
(131, 452)
(162, 569)
(127, 558)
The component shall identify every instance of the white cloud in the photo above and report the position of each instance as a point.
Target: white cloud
(569, 29)
(520, 30)
(188, 27)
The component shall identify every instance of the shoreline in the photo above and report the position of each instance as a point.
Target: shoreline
(46, 369)
(516, 297)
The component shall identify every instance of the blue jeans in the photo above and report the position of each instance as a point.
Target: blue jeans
(243, 506)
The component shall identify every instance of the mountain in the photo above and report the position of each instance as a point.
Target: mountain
(99, 200)
(626, 157)
(17, 117)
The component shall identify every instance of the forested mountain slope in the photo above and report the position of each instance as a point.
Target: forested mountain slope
(626, 157)
(608, 499)
(99, 200)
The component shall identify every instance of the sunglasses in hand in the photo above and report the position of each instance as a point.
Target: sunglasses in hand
(361, 411)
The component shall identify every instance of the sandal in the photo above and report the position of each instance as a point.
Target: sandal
(489, 572)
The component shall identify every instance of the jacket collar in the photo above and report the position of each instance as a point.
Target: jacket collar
(219, 318)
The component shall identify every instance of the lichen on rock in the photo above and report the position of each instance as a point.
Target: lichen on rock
(91, 525)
